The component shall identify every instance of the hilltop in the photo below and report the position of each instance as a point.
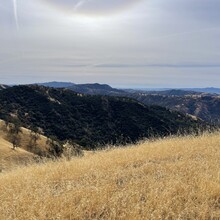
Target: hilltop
(90, 121)
(97, 89)
(56, 84)
(172, 178)
(88, 88)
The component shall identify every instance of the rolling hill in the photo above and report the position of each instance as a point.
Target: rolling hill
(30, 151)
(203, 106)
(26, 153)
(11, 159)
(201, 103)
(90, 121)
(173, 178)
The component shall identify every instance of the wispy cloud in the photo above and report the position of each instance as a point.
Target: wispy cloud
(158, 65)
(16, 13)
(79, 4)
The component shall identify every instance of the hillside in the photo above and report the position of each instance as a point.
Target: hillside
(26, 147)
(33, 147)
(174, 178)
(205, 107)
(10, 159)
(201, 103)
(26, 153)
(90, 121)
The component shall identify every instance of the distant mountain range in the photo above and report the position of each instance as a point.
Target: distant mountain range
(206, 90)
(90, 121)
(102, 87)
(210, 90)
(172, 92)
(197, 102)
(91, 89)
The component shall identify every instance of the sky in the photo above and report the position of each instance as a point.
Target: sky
(124, 43)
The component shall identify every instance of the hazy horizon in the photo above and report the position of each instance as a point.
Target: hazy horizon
(123, 43)
(117, 86)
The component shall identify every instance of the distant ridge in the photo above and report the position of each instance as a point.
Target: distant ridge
(211, 90)
(92, 87)
(173, 92)
(89, 88)
(97, 89)
(55, 84)
(206, 90)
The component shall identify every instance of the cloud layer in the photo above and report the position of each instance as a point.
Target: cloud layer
(154, 43)
(92, 7)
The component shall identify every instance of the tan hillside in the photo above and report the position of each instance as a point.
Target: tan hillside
(23, 155)
(10, 159)
(175, 178)
(25, 139)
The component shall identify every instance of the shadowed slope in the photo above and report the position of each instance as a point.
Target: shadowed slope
(90, 121)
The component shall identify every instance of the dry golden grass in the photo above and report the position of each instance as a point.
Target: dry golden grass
(25, 139)
(10, 159)
(174, 178)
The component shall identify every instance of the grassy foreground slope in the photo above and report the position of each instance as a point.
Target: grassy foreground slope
(174, 178)
(9, 158)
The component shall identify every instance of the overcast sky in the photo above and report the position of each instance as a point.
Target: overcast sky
(124, 43)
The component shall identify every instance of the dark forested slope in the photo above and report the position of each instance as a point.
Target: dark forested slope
(90, 121)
